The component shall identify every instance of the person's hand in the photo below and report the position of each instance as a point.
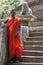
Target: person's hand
(2, 24)
(15, 36)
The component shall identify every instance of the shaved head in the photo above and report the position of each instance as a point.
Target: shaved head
(13, 13)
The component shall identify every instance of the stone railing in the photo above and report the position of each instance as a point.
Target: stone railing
(3, 45)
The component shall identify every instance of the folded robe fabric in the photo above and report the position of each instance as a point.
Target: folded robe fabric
(14, 43)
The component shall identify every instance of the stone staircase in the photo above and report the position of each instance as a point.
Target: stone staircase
(33, 50)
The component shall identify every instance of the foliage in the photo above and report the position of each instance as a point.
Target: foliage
(6, 6)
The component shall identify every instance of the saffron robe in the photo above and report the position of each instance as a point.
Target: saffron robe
(15, 44)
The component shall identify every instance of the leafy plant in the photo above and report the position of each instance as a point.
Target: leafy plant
(6, 6)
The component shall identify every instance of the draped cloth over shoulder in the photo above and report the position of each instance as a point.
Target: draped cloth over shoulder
(15, 44)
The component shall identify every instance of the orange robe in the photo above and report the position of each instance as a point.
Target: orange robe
(15, 44)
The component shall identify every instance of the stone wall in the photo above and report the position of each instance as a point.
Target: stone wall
(37, 9)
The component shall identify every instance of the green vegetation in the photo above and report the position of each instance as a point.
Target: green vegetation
(6, 6)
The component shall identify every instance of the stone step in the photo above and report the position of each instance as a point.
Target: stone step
(39, 23)
(33, 42)
(34, 38)
(36, 34)
(26, 63)
(33, 47)
(32, 53)
(32, 59)
(36, 28)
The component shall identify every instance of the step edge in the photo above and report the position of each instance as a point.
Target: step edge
(37, 57)
(28, 63)
(33, 51)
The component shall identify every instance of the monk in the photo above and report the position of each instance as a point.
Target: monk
(15, 45)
